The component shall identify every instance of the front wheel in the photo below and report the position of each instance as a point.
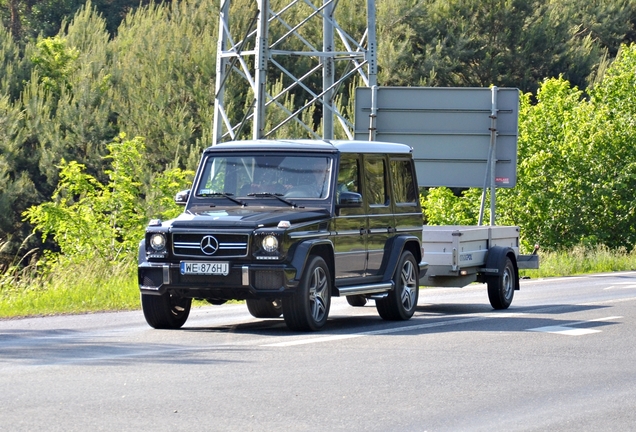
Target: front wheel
(400, 304)
(166, 311)
(501, 288)
(308, 308)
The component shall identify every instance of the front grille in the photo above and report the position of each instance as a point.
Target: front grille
(268, 279)
(222, 245)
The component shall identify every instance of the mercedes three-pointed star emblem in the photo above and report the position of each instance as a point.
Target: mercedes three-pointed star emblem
(209, 245)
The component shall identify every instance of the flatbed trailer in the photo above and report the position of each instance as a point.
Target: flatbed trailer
(458, 255)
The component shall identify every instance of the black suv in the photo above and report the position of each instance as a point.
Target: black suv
(285, 225)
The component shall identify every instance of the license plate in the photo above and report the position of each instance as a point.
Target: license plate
(204, 268)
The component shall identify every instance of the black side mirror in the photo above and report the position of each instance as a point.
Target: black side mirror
(350, 200)
(181, 198)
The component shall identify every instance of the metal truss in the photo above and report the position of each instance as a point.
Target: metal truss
(265, 46)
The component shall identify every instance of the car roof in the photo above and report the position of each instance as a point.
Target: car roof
(331, 146)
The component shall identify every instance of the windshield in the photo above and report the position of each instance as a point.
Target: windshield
(261, 175)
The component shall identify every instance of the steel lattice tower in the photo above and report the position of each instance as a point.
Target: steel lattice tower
(262, 48)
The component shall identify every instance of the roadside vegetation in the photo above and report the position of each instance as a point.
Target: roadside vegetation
(104, 113)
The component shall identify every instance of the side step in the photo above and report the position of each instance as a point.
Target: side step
(366, 289)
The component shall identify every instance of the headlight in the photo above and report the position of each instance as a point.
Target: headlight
(270, 244)
(158, 242)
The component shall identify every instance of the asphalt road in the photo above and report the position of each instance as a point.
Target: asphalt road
(562, 358)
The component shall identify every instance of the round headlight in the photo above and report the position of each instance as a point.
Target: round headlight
(158, 242)
(270, 243)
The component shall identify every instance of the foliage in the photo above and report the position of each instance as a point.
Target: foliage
(29, 19)
(54, 63)
(90, 220)
(164, 66)
(577, 161)
(514, 43)
(442, 207)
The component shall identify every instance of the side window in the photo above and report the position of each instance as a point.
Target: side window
(348, 175)
(404, 187)
(376, 181)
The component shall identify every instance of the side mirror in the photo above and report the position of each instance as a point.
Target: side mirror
(350, 200)
(181, 198)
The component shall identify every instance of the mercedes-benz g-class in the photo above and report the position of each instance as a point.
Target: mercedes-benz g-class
(286, 225)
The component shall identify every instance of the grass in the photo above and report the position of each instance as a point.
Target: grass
(582, 260)
(96, 286)
(101, 286)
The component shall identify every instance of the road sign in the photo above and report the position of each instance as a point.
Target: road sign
(451, 130)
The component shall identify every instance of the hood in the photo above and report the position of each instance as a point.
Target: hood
(246, 217)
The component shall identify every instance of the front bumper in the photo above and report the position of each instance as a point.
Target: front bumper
(243, 281)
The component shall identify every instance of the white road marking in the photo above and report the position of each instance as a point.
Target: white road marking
(622, 285)
(568, 331)
(305, 341)
(571, 331)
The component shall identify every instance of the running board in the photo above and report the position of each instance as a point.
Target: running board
(366, 289)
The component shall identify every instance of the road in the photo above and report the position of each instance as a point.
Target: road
(562, 357)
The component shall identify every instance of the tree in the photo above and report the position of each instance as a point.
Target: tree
(577, 163)
(89, 219)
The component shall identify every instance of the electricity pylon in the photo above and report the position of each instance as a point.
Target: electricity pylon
(263, 48)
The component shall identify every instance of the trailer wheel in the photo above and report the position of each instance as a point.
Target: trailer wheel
(501, 288)
(260, 308)
(400, 304)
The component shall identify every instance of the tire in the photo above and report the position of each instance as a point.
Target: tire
(264, 308)
(501, 288)
(166, 311)
(308, 308)
(356, 300)
(401, 302)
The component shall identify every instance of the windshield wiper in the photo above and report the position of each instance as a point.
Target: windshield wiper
(278, 196)
(225, 195)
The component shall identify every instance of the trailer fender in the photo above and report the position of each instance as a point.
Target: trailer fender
(496, 260)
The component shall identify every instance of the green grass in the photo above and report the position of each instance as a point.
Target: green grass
(101, 286)
(96, 286)
(581, 260)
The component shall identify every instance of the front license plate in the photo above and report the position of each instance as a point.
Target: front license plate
(204, 268)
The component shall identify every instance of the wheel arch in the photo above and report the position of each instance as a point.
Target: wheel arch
(320, 247)
(396, 247)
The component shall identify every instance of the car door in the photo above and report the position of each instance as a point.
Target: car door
(350, 222)
(381, 224)
(406, 208)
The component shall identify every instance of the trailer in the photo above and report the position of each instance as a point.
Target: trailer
(458, 255)
(461, 138)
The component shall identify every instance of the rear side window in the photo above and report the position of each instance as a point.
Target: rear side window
(403, 182)
(376, 187)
